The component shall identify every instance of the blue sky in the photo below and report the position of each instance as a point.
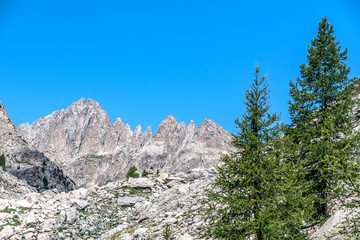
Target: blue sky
(143, 60)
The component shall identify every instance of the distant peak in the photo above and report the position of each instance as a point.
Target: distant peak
(92, 102)
(148, 132)
(138, 130)
(192, 124)
(118, 121)
(170, 118)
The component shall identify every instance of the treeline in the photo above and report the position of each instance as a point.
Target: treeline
(283, 180)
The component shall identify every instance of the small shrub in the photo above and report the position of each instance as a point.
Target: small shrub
(144, 173)
(167, 232)
(7, 210)
(2, 162)
(132, 173)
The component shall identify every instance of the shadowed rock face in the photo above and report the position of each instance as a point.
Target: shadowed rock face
(27, 163)
(94, 151)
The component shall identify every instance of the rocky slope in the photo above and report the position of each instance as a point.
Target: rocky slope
(25, 162)
(91, 150)
(140, 208)
(136, 209)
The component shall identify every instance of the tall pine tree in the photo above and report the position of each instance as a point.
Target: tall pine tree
(322, 120)
(256, 193)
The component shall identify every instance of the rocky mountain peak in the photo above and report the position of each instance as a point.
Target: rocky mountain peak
(94, 151)
(166, 129)
(206, 132)
(3, 113)
(137, 131)
(192, 126)
(25, 162)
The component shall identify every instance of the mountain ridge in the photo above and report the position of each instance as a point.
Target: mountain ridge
(83, 132)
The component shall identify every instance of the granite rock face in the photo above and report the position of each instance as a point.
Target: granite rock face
(25, 162)
(91, 150)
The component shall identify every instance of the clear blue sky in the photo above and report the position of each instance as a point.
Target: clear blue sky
(143, 60)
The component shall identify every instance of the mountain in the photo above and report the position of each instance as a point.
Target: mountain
(91, 150)
(25, 162)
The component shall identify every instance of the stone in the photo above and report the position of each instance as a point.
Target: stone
(164, 175)
(7, 232)
(186, 236)
(331, 228)
(71, 215)
(43, 236)
(129, 201)
(140, 232)
(28, 236)
(173, 178)
(61, 217)
(140, 183)
(23, 203)
(30, 218)
(81, 204)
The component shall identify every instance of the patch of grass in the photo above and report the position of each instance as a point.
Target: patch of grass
(15, 221)
(7, 210)
(167, 232)
(25, 208)
(60, 229)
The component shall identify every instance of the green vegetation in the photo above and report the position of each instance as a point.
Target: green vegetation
(282, 180)
(167, 232)
(321, 110)
(7, 210)
(144, 173)
(2, 162)
(60, 229)
(132, 173)
(257, 193)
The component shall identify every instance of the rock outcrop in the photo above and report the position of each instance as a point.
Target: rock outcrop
(91, 150)
(25, 162)
(118, 210)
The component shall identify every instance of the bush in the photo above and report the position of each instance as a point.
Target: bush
(2, 162)
(144, 173)
(132, 173)
(166, 232)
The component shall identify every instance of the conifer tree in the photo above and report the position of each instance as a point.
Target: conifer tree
(256, 194)
(322, 118)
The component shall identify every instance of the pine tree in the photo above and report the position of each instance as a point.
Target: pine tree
(132, 172)
(256, 193)
(322, 120)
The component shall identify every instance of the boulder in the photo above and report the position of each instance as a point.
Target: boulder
(23, 203)
(186, 236)
(129, 201)
(30, 218)
(140, 183)
(179, 179)
(332, 227)
(43, 236)
(81, 204)
(7, 232)
(140, 232)
(71, 215)
(164, 175)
